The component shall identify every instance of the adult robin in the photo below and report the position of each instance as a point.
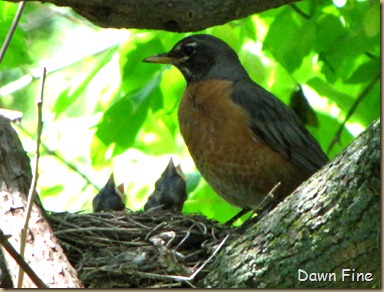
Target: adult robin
(110, 197)
(170, 190)
(243, 140)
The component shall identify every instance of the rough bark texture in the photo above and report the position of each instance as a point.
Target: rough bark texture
(169, 15)
(331, 223)
(42, 252)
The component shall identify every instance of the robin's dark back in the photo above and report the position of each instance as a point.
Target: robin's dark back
(278, 126)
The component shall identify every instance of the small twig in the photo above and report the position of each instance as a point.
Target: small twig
(32, 190)
(184, 278)
(20, 261)
(11, 30)
(96, 229)
(154, 229)
(270, 195)
(351, 111)
(300, 12)
(188, 233)
(137, 223)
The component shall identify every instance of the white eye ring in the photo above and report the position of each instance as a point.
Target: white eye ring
(189, 49)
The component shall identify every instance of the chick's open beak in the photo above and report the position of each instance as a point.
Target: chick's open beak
(161, 59)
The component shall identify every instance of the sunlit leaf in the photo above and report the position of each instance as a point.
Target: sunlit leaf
(136, 74)
(365, 71)
(289, 44)
(205, 201)
(193, 180)
(121, 123)
(70, 95)
(343, 99)
(51, 191)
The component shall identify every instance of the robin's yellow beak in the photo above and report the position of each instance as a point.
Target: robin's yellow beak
(161, 59)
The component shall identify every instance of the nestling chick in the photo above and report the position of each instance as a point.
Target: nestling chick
(110, 197)
(170, 190)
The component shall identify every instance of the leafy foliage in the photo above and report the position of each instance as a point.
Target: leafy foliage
(106, 111)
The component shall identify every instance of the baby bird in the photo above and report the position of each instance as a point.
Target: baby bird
(110, 197)
(170, 190)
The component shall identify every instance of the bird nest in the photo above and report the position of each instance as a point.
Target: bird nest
(138, 249)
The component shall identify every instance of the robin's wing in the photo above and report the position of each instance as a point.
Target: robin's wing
(276, 124)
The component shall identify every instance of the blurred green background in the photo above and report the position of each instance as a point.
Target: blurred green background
(106, 111)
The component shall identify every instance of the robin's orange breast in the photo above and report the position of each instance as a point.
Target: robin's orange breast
(236, 164)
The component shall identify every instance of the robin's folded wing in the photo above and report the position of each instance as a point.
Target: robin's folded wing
(274, 123)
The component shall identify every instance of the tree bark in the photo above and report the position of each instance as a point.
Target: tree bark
(330, 223)
(42, 252)
(169, 15)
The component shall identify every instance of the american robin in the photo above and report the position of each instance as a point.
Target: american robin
(110, 197)
(243, 140)
(170, 190)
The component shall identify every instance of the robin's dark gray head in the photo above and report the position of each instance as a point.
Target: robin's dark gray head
(202, 56)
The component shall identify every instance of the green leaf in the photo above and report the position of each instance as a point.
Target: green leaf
(155, 138)
(369, 108)
(341, 57)
(329, 32)
(193, 180)
(290, 38)
(98, 152)
(323, 88)
(121, 123)
(69, 95)
(205, 200)
(365, 72)
(135, 73)
(326, 131)
(51, 191)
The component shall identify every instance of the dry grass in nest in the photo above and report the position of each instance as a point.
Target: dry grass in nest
(137, 249)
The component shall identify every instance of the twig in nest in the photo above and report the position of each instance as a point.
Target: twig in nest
(154, 229)
(184, 278)
(188, 232)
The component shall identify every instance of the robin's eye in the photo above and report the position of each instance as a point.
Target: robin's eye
(189, 49)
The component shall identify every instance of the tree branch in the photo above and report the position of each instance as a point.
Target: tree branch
(11, 30)
(169, 15)
(330, 223)
(20, 261)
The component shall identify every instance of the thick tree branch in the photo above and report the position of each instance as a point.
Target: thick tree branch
(169, 15)
(331, 223)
